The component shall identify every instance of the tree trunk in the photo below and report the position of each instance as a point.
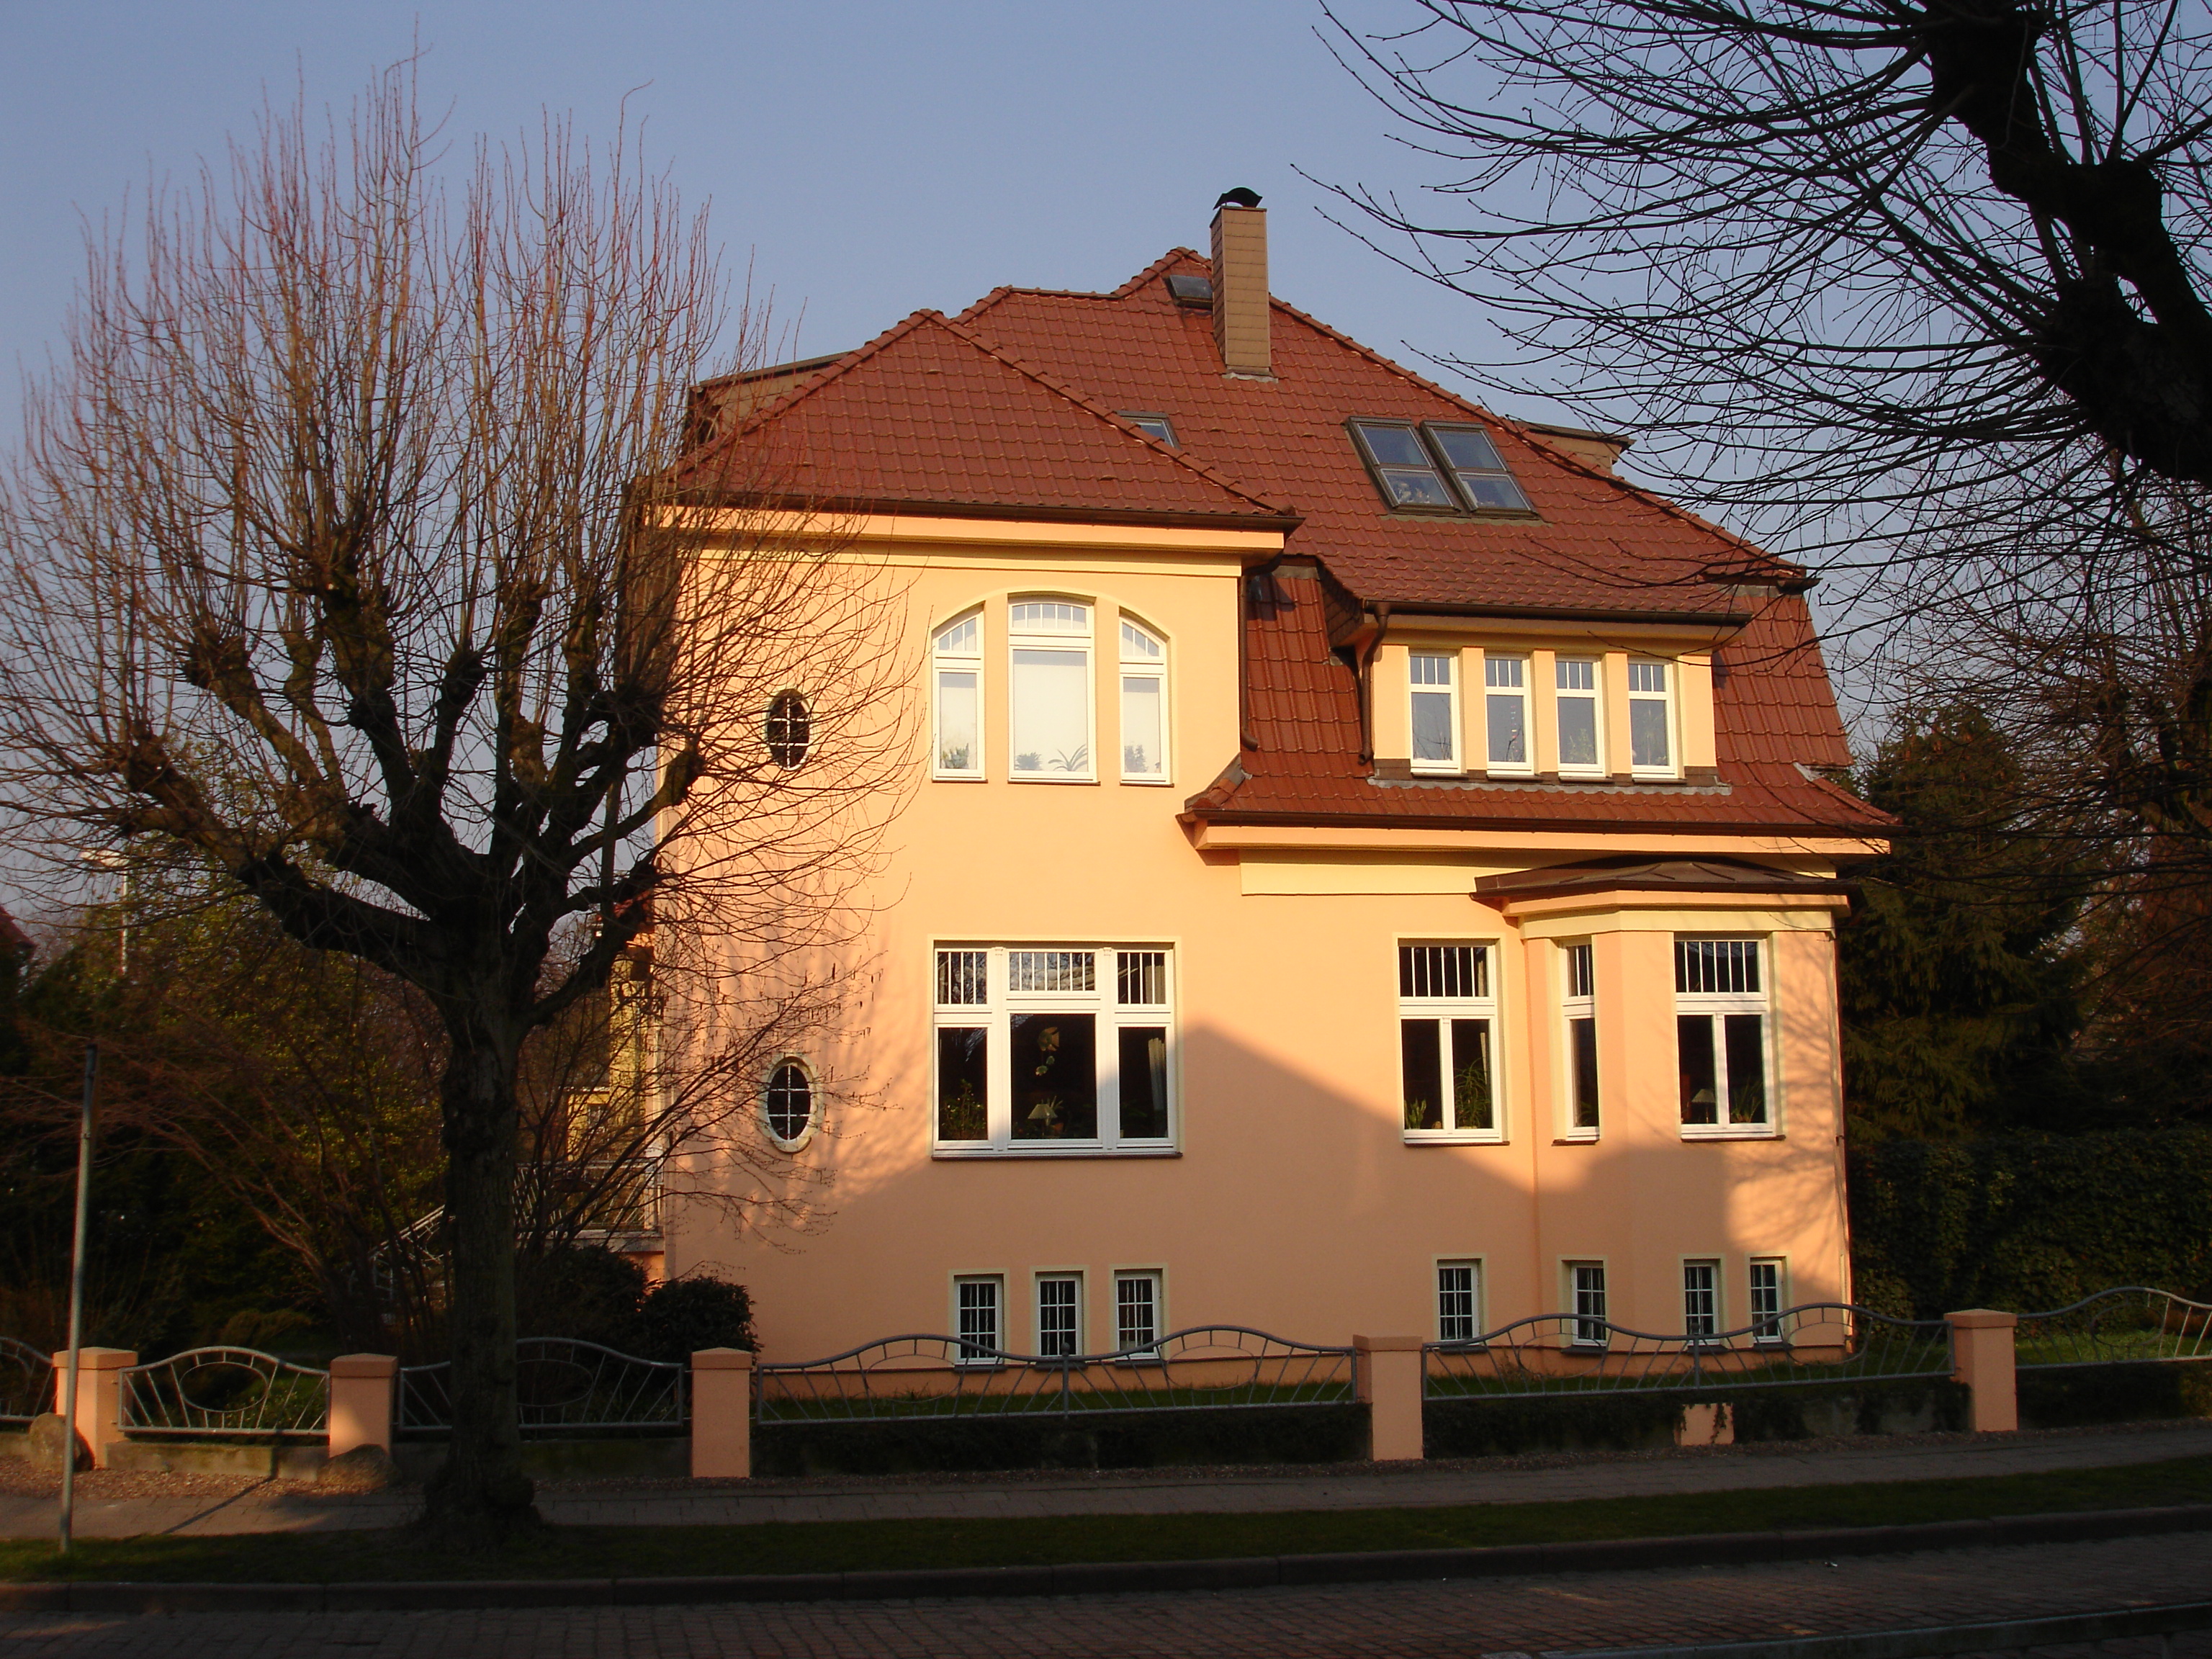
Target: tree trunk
(481, 1496)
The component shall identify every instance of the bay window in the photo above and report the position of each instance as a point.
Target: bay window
(1505, 713)
(1144, 705)
(1446, 1017)
(1435, 680)
(1053, 1050)
(1581, 717)
(1048, 643)
(1721, 1015)
(957, 691)
(1579, 1007)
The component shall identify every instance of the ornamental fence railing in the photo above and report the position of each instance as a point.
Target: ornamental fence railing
(26, 1381)
(2132, 1324)
(221, 1392)
(1814, 1343)
(1203, 1367)
(563, 1386)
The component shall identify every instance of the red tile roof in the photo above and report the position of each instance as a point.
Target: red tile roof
(1010, 408)
(929, 417)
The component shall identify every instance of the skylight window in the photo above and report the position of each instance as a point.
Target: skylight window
(1189, 290)
(1476, 467)
(1402, 466)
(1438, 469)
(1152, 426)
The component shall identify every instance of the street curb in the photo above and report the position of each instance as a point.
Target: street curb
(1112, 1578)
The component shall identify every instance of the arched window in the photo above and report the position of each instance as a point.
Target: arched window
(788, 1102)
(1049, 641)
(957, 675)
(1144, 705)
(789, 729)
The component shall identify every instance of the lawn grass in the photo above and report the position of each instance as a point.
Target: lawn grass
(844, 1546)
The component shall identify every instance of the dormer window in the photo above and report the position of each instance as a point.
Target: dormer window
(1427, 467)
(1152, 426)
(1186, 289)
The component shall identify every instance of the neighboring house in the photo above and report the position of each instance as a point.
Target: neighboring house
(1370, 869)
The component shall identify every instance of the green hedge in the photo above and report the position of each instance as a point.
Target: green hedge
(2122, 1393)
(911, 1445)
(1475, 1427)
(2030, 1223)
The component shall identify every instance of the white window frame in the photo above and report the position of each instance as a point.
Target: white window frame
(1576, 1289)
(1471, 1266)
(1505, 680)
(962, 1331)
(1715, 1315)
(1035, 636)
(1595, 696)
(1776, 1336)
(797, 1142)
(1417, 1001)
(1151, 965)
(1158, 1278)
(1670, 676)
(1038, 1281)
(1152, 666)
(1578, 1003)
(1716, 1007)
(955, 661)
(1450, 764)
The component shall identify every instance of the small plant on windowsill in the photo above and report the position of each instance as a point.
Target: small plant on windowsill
(1420, 1115)
(953, 759)
(1471, 1107)
(961, 1117)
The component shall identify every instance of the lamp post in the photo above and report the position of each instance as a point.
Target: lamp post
(77, 1295)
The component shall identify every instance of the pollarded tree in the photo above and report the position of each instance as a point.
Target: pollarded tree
(335, 550)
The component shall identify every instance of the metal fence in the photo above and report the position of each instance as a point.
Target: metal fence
(224, 1391)
(2134, 1322)
(563, 1385)
(26, 1381)
(909, 1376)
(1569, 1353)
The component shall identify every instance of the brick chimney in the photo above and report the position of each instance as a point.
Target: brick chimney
(1240, 285)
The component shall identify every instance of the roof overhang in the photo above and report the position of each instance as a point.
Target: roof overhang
(1233, 831)
(1661, 879)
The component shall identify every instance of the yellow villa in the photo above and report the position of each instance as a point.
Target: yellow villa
(1370, 867)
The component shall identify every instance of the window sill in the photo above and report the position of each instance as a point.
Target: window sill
(958, 1153)
(1511, 774)
(1749, 1132)
(1442, 1138)
(1046, 777)
(1149, 783)
(957, 777)
(1588, 1137)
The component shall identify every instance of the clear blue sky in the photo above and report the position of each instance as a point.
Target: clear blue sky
(870, 159)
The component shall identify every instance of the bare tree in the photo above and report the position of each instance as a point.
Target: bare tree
(336, 550)
(1854, 270)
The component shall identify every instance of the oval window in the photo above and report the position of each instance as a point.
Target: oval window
(790, 729)
(790, 1101)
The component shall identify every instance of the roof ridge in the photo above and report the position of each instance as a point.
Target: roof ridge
(1625, 486)
(1154, 269)
(858, 355)
(1113, 418)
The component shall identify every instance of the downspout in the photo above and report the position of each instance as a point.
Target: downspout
(1367, 683)
(1244, 661)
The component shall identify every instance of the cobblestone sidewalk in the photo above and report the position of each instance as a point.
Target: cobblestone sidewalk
(1494, 1618)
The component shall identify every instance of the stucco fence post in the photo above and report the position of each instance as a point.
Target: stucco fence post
(98, 1397)
(1388, 1381)
(1982, 1349)
(361, 1389)
(721, 1414)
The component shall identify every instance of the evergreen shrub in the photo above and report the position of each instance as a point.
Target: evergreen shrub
(2030, 1223)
